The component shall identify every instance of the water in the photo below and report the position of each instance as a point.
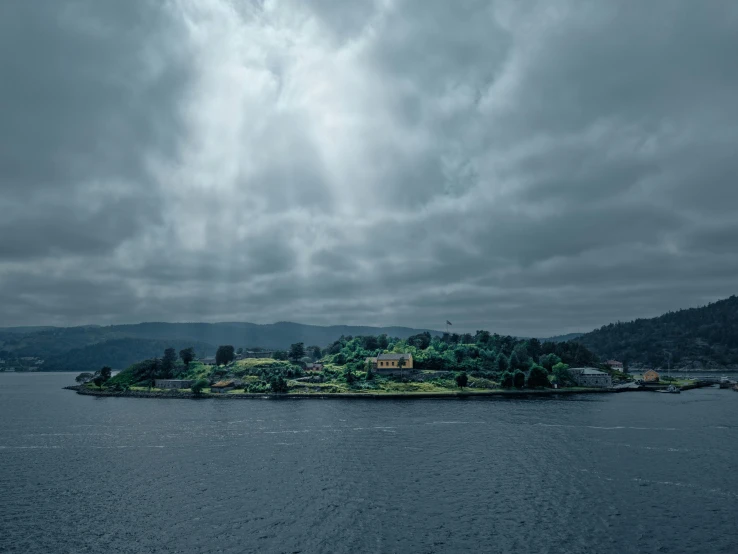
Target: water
(634, 472)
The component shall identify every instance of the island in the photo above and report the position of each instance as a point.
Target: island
(421, 366)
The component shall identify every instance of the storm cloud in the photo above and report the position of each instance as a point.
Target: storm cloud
(530, 168)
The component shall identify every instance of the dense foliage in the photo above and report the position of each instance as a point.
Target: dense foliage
(482, 360)
(481, 352)
(704, 337)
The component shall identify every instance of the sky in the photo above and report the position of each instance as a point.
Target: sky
(530, 168)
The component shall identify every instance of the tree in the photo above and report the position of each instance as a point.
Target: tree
(462, 379)
(506, 381)
(501, 363)
(514, 361)
(561, 374)
(224, 355)
(198, 385)
(84, 378)
(314, 352)
(278, 384)
(239, 351)
(369, 370)
(538, 377)
(549, 360)
(280, 355)
(348, 374)
(102, 376)
(167, 362)
(297, 351)
(518, 379)
(152, 371)
(401, 363)
(187, 355)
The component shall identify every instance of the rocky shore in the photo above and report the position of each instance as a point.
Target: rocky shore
(84, 390)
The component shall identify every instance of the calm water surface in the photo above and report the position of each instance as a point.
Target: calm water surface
(634, 472)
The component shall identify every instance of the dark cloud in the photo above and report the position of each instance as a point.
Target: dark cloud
(527, 167)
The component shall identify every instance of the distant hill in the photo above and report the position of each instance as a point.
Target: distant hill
(119, 354)
(561, 338)
(72, 348)
(697, 338)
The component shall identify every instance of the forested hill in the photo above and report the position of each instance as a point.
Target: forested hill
(73, 348)
(697, 338)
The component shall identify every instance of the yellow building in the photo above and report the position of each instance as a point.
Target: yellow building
(391, 361)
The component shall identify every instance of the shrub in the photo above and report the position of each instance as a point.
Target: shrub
(198, 385)
(461, 379)
(538, 377)
(506, 380)
(278, 384)
(518, 379)
(482, 383)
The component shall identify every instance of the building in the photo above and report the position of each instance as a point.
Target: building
(173, 383)
(207, 361)
(223, 386)
(317, 366)
(389, 362)
(651, 376)
(590, 377)
(614, 364)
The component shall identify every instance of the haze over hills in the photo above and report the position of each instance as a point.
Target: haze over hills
(89, 347)
(696, 338)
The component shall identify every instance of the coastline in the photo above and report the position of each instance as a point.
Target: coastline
(86, 391)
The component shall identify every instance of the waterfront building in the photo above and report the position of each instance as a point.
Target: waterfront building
(590, 377)
(651, 376)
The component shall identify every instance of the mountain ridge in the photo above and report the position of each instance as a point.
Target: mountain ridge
(705, 337)
(69, 348)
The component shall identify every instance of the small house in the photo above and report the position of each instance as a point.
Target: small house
(614, 364)
(391, 362)
(314, 366)
(590, 377)
(651, 376)
(223, 386)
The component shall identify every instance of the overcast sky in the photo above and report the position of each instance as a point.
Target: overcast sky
(526, 167)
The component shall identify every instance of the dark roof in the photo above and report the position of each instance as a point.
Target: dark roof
(223, 384)
(587, 371)
(393, 356)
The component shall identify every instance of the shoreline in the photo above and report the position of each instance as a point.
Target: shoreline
(85, 391)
